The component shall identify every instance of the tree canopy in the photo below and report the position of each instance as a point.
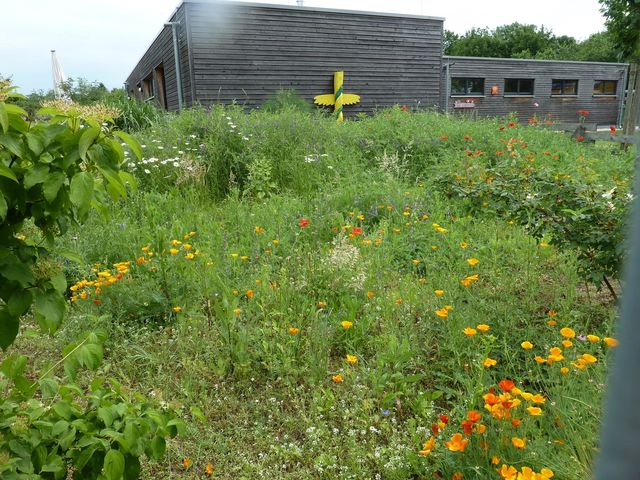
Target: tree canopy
(518, 40)
(623, 25)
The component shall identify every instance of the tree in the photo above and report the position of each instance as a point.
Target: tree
(623, 24)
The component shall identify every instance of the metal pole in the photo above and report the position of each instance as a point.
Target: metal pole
(176, 55)
(620, 452)
(623, 97)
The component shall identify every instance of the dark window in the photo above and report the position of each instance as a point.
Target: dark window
(467, 86)
(518, 86)
(162, 92)
(147, 87)
(605, 87)
(564, 87)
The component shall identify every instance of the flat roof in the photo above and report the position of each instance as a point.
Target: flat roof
(537, 60)
(317, 9)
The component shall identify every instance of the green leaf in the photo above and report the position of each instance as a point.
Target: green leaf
(70, 255)
(131, 142)
(86, 140)
(158, 447)
(81, 192)
(35, 143)
(49, 308)
(4, 118)
(54, 464)
(106, 416)
(132, 468)
(52, 184)
(15, 110)
(13, 366)
(12, 143)
(48, 387)
(113, 467)
(59, 282)
(7, 172)
(85, 456)
(19, 302)
(18, 272)
(4, 208)
(36, 175)
(63, 409)
(128, 179)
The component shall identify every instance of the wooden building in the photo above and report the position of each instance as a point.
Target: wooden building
(245, 52)
(540, 88)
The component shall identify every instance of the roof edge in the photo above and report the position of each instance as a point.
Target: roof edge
(318, 9)
(537, 60)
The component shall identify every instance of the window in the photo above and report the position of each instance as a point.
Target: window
(147, 88)
(605, 87)
(162, 92)
(564, 87)
(467, 86)
(518, 86)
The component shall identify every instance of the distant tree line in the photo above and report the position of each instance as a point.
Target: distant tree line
(518, 40)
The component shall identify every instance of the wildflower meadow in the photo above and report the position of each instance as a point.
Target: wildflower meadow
(402, 296)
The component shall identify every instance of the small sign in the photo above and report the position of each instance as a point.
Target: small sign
(465, 104)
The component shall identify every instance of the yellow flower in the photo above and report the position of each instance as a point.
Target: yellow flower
(519, 443)
(538, 398)
(567, 343)
(469, 332)
(415, 262)
(337, 378)
(495, 460)
(473, 261)
(463, 245)
(593, 338)
(189, 256)
(552, 323)
(539, 359)
(567, 332)
(370, 294)
(258, 229)
(483, 327)
(346, 324)
(175, 243)
(457, 443)
(434, 247)
(611, 342)
(508, 472)
(352, 359)
(589, 358)
(527, 345)
(489, 362)
(294, 330)
(187, 246)
(249, 294)
(237, 311)
(244, 258)
(564, 370)
(439, 292)
(322, 305)
(546, 473)
(234, 255)
(186, 463)
(208, 470)
(276, 242)
(442, 313)
(177, 309)
(146, 249)
(360, 217)
(535, 411)
(428, 447)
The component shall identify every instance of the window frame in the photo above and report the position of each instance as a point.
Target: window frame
(468, 81)
(604, 93)
(563, 82)
(519, 93)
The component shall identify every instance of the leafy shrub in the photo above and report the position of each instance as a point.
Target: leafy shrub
(286, 99)
(134, 115)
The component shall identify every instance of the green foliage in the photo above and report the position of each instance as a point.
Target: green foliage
(529, 41)
(51, 174)
(134, 114)
(51, 430)
(287, 99)
(623, 24)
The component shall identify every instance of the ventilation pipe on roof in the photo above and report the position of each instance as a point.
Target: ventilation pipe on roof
(176, 55)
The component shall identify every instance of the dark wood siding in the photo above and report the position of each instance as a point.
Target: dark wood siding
(603, 109)
(246, 52)
(161, 51)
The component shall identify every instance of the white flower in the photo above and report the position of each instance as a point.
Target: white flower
(176, 164)
(609, 193)
(160, 147)
(147, 171)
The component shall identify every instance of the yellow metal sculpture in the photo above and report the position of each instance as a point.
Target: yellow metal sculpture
(338, 98)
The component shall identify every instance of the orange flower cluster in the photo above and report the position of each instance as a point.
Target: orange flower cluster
(104, 278)
(509, 472)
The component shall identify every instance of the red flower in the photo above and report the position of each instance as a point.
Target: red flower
(612, 128)
(473, 416)
(467, 427)
(444, 137)
(506, 385)
(97, 302)
(119, 276)
(467, 137)
(579, 138)
(512, 124)
(501, 127)
(355, 231)
(434, 429)
(444, 418)
(404, 108)
(303, 223)
(583, 113)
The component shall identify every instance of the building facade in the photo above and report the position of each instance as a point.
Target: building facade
(231, 52)
(244, 53)
(531, 89)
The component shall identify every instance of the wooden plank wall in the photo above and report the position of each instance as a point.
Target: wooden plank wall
(246, 52)
(603, 109)
(161, 51)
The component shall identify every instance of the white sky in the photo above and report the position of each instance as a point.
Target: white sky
(103, 40)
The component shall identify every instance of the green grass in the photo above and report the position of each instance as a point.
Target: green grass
(260, 402)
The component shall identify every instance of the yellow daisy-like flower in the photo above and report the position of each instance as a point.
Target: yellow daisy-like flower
(442, 313)
(337, 378)
(469, 332)
(527, 345)
(564, 370)
(174, 251)
(346, 324)
(489, 362)
(593, 338)
(534, 411)
(567, 332)
(177, 309)
(519, 443)
(237, 311)
(464, 245)
(294, 330)
(473, 261)
(610, 342)
(351, 359)
(439, 292)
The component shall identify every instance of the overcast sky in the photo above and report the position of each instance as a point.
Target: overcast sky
(103, 40)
